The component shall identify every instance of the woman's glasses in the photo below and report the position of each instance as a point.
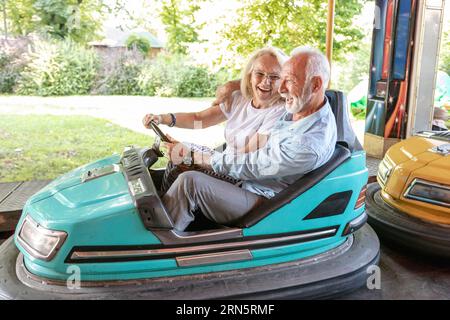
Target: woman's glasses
(272, 77)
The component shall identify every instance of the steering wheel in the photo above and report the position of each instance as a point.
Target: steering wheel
(158, 131)
(160, 136)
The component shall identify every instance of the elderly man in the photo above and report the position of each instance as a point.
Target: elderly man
(303, 139)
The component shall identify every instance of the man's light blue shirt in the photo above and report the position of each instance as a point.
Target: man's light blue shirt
(293, 149)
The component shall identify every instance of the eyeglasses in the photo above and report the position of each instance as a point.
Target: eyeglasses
(273, 77)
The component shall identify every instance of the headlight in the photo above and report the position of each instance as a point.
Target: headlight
(38, 241)
(429, 192)
(384, 170)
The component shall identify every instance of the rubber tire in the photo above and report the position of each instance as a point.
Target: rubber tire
(349, 269)
(404, 230)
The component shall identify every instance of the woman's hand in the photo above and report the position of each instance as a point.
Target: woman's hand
(151, 117)
(158, 118)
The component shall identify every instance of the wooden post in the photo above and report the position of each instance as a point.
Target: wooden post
(330, 30)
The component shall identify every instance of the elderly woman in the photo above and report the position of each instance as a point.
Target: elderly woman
(253, 110)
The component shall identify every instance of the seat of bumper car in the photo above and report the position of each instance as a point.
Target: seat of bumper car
(347, 142)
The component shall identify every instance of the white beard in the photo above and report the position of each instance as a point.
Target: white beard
(299, 103)
(296, 106)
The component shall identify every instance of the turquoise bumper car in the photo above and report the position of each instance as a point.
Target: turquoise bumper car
(101, 231)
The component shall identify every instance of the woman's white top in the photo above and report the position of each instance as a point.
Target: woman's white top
(244, 120)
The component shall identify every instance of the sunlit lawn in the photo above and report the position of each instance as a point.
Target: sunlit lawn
(46, 146)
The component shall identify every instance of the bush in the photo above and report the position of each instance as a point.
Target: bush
(119, 74)
(66, 68)
(58, 68)
(195, 81)
(10, 68)
(138, 42)
(158, 76)
(123, 80)
(169, 76)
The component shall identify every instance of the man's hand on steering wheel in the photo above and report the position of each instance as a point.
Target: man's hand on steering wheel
(176, 150)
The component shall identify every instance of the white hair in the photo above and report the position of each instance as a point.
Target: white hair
(318, 64)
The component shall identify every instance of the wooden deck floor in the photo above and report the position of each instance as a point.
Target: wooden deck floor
(13, 196)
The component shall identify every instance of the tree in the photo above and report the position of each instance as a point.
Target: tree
(178, 18)
(289, 23)
(75, 19)
(140, 43)
(19, 16)
(5, 24)
(78, 20)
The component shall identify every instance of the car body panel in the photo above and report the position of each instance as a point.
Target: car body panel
(413, 159)
(101, 213)
(71, 178)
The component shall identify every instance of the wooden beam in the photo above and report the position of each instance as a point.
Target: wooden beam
(330, 31)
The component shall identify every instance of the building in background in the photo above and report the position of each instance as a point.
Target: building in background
(115, 41)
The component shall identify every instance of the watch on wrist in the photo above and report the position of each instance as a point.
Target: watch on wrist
(174, 120)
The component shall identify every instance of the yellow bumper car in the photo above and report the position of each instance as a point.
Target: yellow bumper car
(410, 204)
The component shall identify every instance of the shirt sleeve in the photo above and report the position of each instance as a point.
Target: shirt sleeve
(273, 161)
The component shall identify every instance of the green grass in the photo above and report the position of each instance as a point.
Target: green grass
(44, 146)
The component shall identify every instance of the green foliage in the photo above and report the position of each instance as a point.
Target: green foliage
(65, 68)
(159, 76)
(287, 24)
(138, 42)
(122, 79)
(179, 21)
(195, 81)
(19, 14)
(73, 19)
(444, 59)
(58, 68)
(169, 76)
(78, 20)
(9, 72)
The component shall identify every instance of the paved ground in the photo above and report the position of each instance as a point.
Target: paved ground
(126, 111)
(407, 276)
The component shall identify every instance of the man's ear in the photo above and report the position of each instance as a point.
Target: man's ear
(317, 84)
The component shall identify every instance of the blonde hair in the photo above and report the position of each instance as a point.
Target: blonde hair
(246, 86)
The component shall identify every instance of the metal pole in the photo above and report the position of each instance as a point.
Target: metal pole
(425, 58)
(330, 30)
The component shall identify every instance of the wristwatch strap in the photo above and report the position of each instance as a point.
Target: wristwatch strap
(174, 120)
